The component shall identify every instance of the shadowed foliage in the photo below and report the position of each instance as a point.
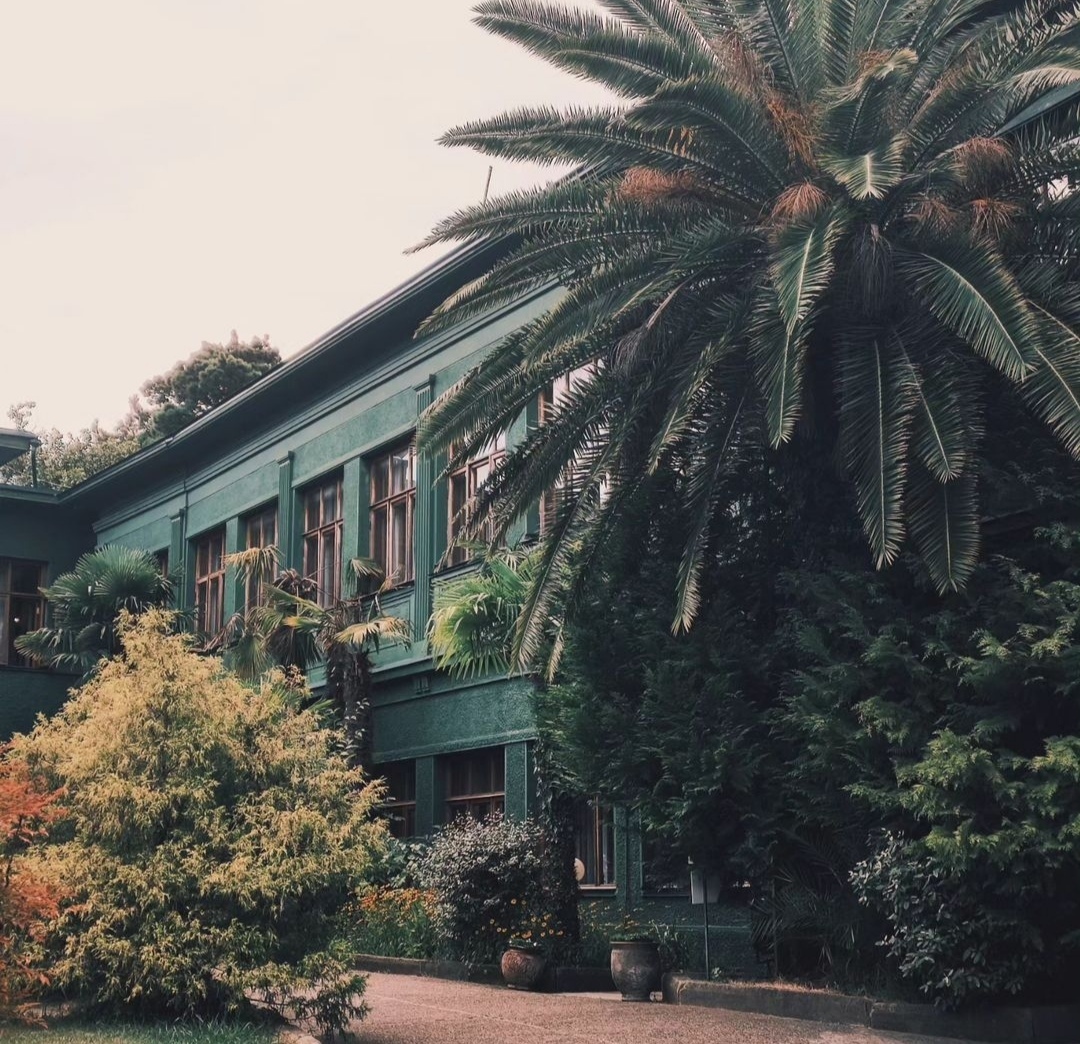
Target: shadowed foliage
(840, 225)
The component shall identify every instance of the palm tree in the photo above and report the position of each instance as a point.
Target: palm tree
(86, 602)
(840, 225)
(285, 625)
(472, 624)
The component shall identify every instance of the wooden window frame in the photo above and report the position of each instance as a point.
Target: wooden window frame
(468, 479)
(210, 582)
(478, 804)
(9, 597)
(255, 527)
(382, 508)
(400, 810)
(317, 536)
(599, 820)
(549, 399)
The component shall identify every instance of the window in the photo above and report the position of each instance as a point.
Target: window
(162, 559)
(551, 399)
(594, 845)
(400, 803)
(260, 531)
(323, 527)
(393, 499)
(475, 783)
(463, 486)
(22, 606)
(664, 872)
(210, 582)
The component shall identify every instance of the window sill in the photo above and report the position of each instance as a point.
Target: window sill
(587, 889)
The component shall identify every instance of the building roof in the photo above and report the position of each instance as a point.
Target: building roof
(14, 443)
(388, 321)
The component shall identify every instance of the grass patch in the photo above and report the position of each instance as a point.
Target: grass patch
(138, 1033)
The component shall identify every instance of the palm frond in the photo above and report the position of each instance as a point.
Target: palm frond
(973, 293)
(876, 407)
(945, 525)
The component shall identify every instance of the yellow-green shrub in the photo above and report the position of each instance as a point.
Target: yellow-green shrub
(214, 836)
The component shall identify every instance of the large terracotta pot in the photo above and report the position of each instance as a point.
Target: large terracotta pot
(635, 968)
(522, 967)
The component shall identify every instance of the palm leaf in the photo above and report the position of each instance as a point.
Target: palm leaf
(876, 405)
(945, 525)
(973, 293)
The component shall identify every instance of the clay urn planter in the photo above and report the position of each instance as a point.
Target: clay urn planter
(635, 968)
(522, 965)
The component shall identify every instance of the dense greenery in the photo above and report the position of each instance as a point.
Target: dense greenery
(85, 603)
(833, 227)
(491, 881)
(214, 839)
(209, 377)
(285, 624)
(28, 901)
(823, 721)
(169, 402)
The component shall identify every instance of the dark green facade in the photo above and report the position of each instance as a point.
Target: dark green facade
(357, 390)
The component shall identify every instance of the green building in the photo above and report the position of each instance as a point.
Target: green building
(317, 458)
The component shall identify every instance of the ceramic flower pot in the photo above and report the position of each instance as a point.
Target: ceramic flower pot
(635, 968)
(522, 967)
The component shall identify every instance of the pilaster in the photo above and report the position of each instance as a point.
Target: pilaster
(424, 522)
(287, 535)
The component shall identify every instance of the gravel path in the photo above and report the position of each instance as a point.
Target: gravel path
(408, 1009)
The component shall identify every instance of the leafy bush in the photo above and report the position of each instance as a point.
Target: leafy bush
(491, 879)
(214, 837)
(396, 922)
(945, 937)
(27, 900)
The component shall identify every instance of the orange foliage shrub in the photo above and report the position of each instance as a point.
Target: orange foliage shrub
(27, 902)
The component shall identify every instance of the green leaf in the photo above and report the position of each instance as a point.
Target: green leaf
(871, 174)
(876, 405)
(779, 355)
(973, 293)
(802, 266)
(945, 525)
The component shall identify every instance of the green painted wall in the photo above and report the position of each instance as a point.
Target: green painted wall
(34, 526)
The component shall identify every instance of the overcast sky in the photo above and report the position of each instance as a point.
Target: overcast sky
(175, 169)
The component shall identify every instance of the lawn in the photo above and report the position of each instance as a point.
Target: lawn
(137, 1033)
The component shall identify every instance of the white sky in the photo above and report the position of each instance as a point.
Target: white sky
(174, 169)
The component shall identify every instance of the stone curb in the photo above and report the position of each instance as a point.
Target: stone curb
(1058, 1024)
(556, 980)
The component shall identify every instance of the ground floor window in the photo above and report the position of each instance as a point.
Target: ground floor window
(663, 872)
(475, 783)
(400, 804)
(594, 845)
(22, 606)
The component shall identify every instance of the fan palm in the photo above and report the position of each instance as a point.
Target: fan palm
(286, 625)
(834, 224)
(86, 602)
(472, 626)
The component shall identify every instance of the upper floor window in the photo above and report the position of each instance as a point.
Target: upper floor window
(594, 842)
(393, 502)
(260, 530)
(462, 489)
(552, 400)
(22, 606)
(400, 803)
(210, 582)
(475, 783)
(323, 530)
